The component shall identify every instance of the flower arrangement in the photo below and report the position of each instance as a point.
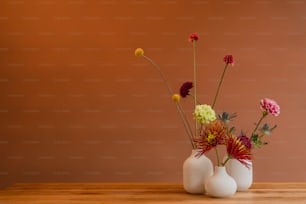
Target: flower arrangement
(212, 130)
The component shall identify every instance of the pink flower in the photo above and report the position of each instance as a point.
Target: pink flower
(245, 140)
(193, 37)
(185, 88)
(270, 106)
(228, 59)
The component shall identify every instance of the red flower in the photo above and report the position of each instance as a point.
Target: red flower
(193, 37)
(228, 59)
(185, 88)
(237, 150)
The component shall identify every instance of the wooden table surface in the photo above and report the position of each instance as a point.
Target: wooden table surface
(142, 193)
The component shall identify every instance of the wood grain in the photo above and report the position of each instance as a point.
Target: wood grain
(161, 193)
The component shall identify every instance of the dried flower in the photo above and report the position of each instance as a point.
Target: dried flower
(139, 52)
(228, 59)
(204, 114)
(176, 97)
(185, 89)
(193, 37)
(226, 117)
(237, 150)
(270, 106)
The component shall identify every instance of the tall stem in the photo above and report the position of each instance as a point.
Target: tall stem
(219, 85)
(195, 82)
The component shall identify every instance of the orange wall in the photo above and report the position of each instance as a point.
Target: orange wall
(77, 105)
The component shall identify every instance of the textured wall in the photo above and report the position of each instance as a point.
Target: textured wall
(77, 105)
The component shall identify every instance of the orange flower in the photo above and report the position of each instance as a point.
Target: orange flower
(213, 134)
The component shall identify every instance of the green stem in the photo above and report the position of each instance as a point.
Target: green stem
(264, 114)
(227, 159)
(219, 85)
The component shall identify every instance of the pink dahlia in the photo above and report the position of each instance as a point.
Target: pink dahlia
(185, 88)
(193, 37)
(270, 106)
(228, 59)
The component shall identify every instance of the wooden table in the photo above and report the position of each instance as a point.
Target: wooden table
(143, 193)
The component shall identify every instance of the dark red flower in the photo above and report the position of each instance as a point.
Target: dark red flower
(185, 88)
(193, 37)
(246, 141)
(228, 59)
(237, 150)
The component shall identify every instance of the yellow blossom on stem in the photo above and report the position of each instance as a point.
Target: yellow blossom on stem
(176, 97)
(139, 52)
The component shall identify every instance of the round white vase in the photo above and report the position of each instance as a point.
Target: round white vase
(196, 169)
(220, 184)
(240, 173)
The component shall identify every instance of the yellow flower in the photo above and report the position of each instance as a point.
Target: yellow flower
(139, 52)
(176, 97)
(204, 114)
(210, 137)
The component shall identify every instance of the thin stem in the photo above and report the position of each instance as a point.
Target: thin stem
(197, 101)
(195, 81)
(219, 85)
(264, 114)
(186, 124)
(161, 74)
(217, 153)
(227, 159)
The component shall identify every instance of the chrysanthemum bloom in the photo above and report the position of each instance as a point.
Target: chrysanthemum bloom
(176, 97)
(245, 140)
(237, 150)
(228, 59)
(270, 106)
(193, 37)
(204, 114)
(185, 88)
(139, 52)
(213, 134)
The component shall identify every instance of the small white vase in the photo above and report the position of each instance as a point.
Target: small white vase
(220, 184)
(196, 169)
(240, 173)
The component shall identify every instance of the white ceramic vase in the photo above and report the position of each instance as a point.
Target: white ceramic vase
(220, 184)
(240, 173)
(196, 169)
